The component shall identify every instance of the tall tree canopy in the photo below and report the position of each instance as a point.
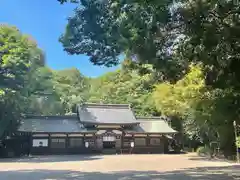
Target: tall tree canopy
(72, 87)
(105, 29)
(211, 30)
(125, 86)
(19, 58)
(166, 34)
(207, 113)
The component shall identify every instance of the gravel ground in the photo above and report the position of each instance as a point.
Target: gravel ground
(117, 167)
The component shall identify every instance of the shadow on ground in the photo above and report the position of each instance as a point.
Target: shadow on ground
(62, 158)
(177, 153)
(207, 173)
(205, 158)
(52, 158)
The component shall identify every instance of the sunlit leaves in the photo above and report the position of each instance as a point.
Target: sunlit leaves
(71, 86)
(124, 86)
(19, 58)
(175, 99)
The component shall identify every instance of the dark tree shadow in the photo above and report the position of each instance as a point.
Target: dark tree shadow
(53, 158)
(205, 158)
(176, 153)
(207, 173)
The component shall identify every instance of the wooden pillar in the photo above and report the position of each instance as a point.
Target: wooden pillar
(49, 142)
(95, 140)
(84, 140)
(148, 140)
(31, 143)
(162, 142)
(99, 143)
(67, 145)
(122, 139)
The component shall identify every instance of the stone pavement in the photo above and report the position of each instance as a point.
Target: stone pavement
(117, 167)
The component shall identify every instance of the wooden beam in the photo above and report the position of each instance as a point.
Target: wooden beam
(140, 135)
(75, 135)
(58, 135)
(40, 135)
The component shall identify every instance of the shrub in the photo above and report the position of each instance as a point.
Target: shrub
(203, 151)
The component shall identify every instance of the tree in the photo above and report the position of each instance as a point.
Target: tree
(103, 30)
(206, 113)
(125, 86)
(64, 1)
(43, 98)
(19, 57)
(72, 87)
(211, 34)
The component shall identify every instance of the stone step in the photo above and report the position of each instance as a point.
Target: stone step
(109, 151)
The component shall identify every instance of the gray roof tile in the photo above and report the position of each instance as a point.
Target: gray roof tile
(153, 125)
(51, 124)
(106, 114)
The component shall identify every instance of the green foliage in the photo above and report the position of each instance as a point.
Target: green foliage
(43, 99)
(103, 30)
(203, 151)
(207, 114)
(19, 58)
(18, 55)
(124, 86)
(176, 99)
(72, 87)
(238, 141)
(211, 30)
(64, 1)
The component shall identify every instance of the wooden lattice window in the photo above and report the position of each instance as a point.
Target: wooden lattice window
(58, 143)
(155, 141)
(76, 142)
(140, 141)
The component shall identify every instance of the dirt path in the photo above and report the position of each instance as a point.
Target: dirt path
(118, 167)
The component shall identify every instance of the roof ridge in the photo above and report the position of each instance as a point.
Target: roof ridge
(105, 105)
(52, 116)
(153, 117)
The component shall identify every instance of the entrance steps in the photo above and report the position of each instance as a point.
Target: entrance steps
(109, 151)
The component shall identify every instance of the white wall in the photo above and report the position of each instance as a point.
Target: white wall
(38, 142)
(109, 138)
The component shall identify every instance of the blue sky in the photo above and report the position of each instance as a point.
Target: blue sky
(45, 20)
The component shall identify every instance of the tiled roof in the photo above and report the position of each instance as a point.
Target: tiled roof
(106, 114)
(153, 125)
(51, 124)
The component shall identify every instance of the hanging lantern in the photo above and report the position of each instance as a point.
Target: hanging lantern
(86, 144)
(132, 144)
